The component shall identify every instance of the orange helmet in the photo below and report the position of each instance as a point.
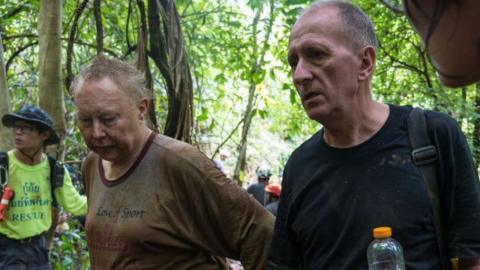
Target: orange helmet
(274, 188)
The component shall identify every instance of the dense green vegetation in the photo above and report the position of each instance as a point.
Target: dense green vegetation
(243, 100)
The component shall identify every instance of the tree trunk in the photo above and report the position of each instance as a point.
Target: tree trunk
(5, 133)
(50, 89)
(51, 96)
(169, 54)
(258, 61)
(242, 153)
(142, 64)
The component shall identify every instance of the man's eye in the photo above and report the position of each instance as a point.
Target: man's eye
(27, 129)
(292, 62)
(317, 55)
(84, 122)
(108, 120)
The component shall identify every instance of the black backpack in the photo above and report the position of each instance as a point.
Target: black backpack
(57, 172)
(425, 156)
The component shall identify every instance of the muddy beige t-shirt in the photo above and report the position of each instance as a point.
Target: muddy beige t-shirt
(172, 210)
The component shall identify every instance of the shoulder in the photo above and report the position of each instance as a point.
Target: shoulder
(89, 160)
(10, 155)
(172, 150)
(89, 166)
(438, 123)
(255, 186)
(308, 146)
(435, 119)
(182, 158)
(440, 120)
(301, 158)
(441, 125)
(308, 150)
(443, 128)
(171, 144)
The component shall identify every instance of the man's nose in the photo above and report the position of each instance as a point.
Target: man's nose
(301, 73)
(17, 131)
(98, 129)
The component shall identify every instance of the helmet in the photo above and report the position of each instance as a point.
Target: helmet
(274, 188)
(263, 173)
(33, 115)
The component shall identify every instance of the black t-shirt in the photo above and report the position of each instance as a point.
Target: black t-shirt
(332, 199)
(272, 207)
(257, 190)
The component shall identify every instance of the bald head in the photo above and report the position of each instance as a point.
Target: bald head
(356, 25)
(126, 76)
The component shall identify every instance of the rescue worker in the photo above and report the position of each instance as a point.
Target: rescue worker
(272, 197)
(29, 213)
(257, 190)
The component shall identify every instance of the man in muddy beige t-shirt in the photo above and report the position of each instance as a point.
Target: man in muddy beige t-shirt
(156, 202)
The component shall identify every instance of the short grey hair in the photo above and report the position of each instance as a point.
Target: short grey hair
(127, 77)
(357, 26)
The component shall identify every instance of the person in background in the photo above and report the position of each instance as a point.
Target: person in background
(29, 214)
(220, 162)
(257, 190)
(155, 202)
(450, 29)
(272, 197)
(357, 172)
(62, 225)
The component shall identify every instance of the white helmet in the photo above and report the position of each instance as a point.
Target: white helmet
(263, 173)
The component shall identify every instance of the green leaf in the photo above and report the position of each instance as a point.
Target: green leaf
(263, 113)
(203, 116)
(293, 96)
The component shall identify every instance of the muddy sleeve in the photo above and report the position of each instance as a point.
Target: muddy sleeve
(224, 219)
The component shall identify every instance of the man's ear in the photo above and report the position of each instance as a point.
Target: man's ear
(368, 57)
(44, 135)
(143, 108)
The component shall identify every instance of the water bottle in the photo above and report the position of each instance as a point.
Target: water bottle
(385, 253)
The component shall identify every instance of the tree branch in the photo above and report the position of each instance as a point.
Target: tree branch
(228, 137)
(20, 36)
(17, 52)
(402, 63)
(15, 11)
(97, 11)
(71, 41)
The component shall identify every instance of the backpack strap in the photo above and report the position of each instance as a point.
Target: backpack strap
(3, 169)
(57, 172)
(424, 155)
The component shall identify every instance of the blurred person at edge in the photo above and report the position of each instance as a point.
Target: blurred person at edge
(155, 202)
(450, 29)
(356, 172)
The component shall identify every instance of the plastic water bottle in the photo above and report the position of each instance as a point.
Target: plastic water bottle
(385, 253)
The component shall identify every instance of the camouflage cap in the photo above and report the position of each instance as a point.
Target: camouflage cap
(35, 116)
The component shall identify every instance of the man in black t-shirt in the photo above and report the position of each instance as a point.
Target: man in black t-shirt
(257, 190)
(356, 173)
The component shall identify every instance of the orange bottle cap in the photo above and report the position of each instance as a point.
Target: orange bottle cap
(382, 232)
